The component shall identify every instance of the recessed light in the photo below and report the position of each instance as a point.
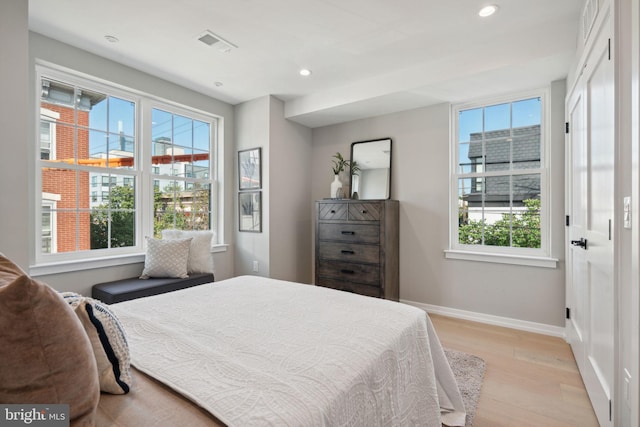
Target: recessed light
(305, 72)
(488, 10)
(111, 39)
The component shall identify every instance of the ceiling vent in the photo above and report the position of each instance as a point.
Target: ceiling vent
(211, 39)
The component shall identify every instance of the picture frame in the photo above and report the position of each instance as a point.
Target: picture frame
(250, 169)
(250, 211)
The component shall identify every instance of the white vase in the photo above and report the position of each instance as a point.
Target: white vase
(336, 187)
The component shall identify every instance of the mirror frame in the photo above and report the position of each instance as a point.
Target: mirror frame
(390, 163)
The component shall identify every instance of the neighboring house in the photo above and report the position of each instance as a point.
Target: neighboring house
(502, 150)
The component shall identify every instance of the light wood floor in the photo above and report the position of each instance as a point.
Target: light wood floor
(531, 379)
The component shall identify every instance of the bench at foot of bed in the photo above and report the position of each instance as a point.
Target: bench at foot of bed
(132, 288)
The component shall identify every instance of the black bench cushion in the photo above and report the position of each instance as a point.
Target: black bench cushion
(127, 289)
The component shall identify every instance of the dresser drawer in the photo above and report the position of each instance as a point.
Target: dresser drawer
(332, 211)
(357, 233)
(347, 271)
(364, 211)
(371, 291)
(349, 252)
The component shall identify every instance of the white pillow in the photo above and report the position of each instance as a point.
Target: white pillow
(166, 258)
(108, 340)
(200, 259)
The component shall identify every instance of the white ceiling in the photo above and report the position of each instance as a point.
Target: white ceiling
(368, 57)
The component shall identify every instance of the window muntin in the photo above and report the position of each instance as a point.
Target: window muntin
(90, 163)
(499, 177)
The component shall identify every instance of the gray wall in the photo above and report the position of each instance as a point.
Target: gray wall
(252, 131)
(290, 197)
(283, 249)
(420, 173)
(14, 122)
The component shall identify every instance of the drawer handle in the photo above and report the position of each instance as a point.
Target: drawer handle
(332, 211)
(349, 233)
(345, 251)
(363, 211)
(347, 271)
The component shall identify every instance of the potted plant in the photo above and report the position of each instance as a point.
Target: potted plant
(339, 165)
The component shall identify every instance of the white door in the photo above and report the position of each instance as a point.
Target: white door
(590, 179)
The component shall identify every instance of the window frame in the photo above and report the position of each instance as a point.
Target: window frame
(540, 257)
(142, 173)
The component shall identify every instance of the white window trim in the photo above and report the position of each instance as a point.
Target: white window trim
(75, 261)
(504, 255)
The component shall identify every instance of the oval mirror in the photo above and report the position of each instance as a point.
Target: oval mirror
(371, 175)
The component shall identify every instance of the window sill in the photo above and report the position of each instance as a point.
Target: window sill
(44, 269)
(532, 261)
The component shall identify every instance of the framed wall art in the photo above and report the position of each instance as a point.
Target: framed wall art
(250, 169)
(250, 211)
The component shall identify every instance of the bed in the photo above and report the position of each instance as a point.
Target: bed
(256, 351)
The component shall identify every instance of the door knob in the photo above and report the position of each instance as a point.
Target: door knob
(582, 243)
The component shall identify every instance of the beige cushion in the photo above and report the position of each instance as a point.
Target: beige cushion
(45, 354)
(108, 340)
(200, 259)
(166, 258)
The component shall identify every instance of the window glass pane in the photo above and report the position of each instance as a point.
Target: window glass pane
(161, 126)
(469, 122)
(525, 187)
(198, 206)
(182, 131)
(498, 153)
(497, 117)
(99, 228)
(464, 162)
(70, 237)
(59, 185)
(526, 112)
(476, 154)
(121, 151)
(59, 98)
(98, 114)
(97, 143)
(113, 216)
(168, 206)
(121, 116)
(201, 136)
(526, 225)
(123, 228)
(65, 143)
(496, 210)
(526, 148)
(201, 164)
(47, 230)
(464, 188)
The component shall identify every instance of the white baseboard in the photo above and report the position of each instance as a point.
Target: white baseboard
(523, 325)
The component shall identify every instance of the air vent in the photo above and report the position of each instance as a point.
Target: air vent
(211, 39)
(589, 14)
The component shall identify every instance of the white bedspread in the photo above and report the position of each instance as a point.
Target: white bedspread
(263, 352)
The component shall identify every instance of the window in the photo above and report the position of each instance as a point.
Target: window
(498, 181)
(89, 140)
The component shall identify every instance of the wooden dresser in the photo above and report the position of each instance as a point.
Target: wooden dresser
(357, 246)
